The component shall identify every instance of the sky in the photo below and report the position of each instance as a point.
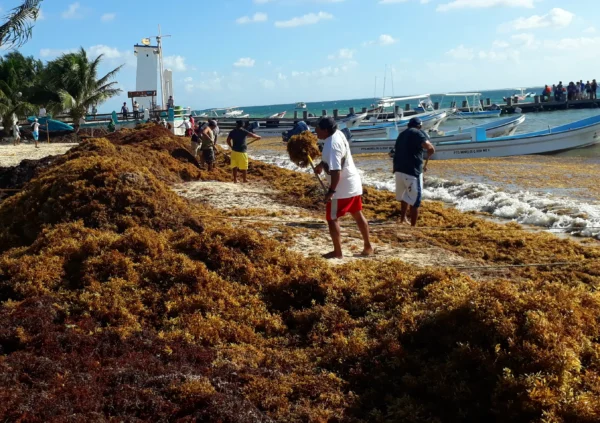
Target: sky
(257, 52)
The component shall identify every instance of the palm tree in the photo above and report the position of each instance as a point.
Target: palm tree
(17, 28)
(74, 80)
(19, 76)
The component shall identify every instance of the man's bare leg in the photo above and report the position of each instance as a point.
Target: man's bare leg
(235, 173)
(336, 237)
(403, 212)
(414, 215)
(244, 176)
(363, 226)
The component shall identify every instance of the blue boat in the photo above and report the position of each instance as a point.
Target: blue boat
(53, 125)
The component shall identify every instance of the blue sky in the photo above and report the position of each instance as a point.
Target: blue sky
(257, 52)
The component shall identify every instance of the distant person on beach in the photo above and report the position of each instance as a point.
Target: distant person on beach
(136, 110)
(207, 144)
(35, 128)
(124, 111)
(594, 88)
(345, 187)
(16, 134)
(409, 168)
(170, 102)
(188, 127)
(237, 141)
(195, 143)
(588, 89)
(94, 111)
(192, 122)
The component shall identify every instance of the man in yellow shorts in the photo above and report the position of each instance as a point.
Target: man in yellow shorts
(239, 158)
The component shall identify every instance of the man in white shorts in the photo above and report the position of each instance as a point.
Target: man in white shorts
(409, 168)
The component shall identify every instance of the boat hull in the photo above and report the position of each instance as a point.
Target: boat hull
(520, 145)
(477, 115)
(375, 146)
(431, 122)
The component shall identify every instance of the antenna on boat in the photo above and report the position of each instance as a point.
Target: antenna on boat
(384, 78)
(159, 38)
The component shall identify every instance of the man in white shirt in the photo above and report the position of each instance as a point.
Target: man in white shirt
(42, 112)
(345, 187)
(16, 134)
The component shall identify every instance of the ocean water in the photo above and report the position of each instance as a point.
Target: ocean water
(496, 96)
(572, 211)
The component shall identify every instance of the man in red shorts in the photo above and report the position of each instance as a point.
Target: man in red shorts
(345, 187)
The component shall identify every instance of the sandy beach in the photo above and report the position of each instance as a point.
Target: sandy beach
(12, 155)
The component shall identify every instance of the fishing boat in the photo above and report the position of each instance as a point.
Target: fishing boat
(579, 134)
(496, 128)
(474, 108)
(279, 115)
(430, 120)
(386, 107)
(301, 105)
(53, 125)
(521, 95)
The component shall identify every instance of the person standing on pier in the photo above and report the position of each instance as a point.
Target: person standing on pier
(409, 168)
(345, 187)
(170, 102)
(136, 110)
(594, 88)
(124, 111)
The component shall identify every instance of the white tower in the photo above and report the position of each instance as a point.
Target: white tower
(168, 81)
(147, 71)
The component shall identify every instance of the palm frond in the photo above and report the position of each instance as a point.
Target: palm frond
(19, 23)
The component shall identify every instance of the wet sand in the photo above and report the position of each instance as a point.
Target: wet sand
(11, 155)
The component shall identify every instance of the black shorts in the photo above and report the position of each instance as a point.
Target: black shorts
(208, 155)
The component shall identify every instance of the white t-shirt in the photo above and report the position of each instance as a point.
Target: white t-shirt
(335, 148)
(36, 127)
(42, 112)
(186, 124)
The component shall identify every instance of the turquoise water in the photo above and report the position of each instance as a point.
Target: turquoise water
(343, 106)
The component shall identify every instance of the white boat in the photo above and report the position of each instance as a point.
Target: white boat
(579, 134)
(474, 108)
(521, 95)
(353, 121)
(301, 105)
(279, 115)
(430, 120)
(424, 108)
(235, 112)
(497, 128)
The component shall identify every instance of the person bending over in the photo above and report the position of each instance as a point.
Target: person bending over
(409, 168)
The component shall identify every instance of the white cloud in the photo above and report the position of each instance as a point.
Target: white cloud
(324, 72)
(590, 30)
(188, 79)
(245, 62)
(108, 52)
(281, 76)
(500, 44)
(344, 54)
(556, 18)
(72, 12)
(581, 43)
(525, 40)
(176, 63)
(267, 84)
(383, 40)
(108, 17)
(40, 16)
(53, 52)
(391, 1)
(481, 4)
(257, 17)
(308, 19)
(461, 53)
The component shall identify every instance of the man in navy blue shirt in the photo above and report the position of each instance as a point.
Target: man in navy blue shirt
(409, 168)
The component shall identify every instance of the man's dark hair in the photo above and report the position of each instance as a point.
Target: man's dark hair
(239, 123)
(212, 123)
(328, 124)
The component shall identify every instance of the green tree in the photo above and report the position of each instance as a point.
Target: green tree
(19, 79)
(74, 79)
(19, 23)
